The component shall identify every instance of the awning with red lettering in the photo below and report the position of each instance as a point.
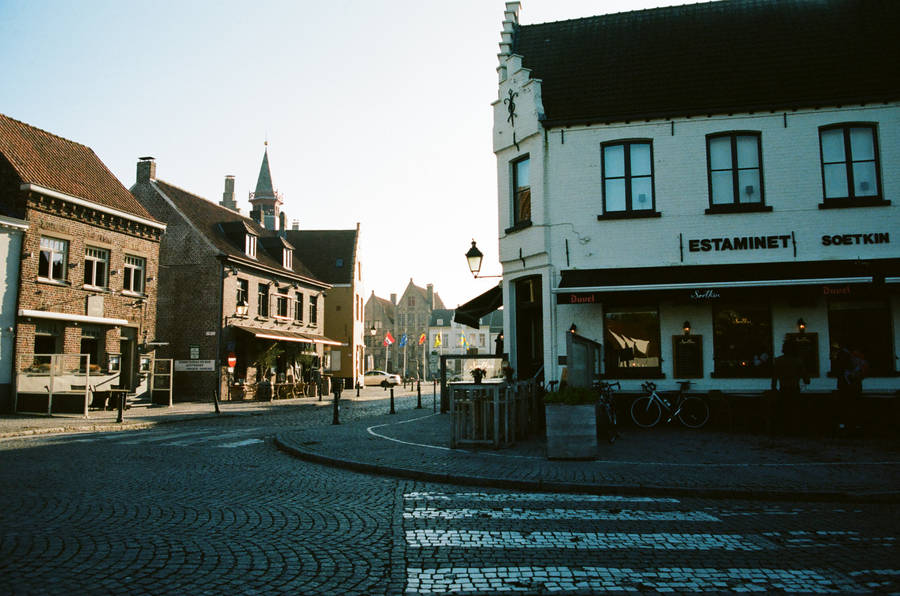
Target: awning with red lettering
(580, 286)
(294, 336)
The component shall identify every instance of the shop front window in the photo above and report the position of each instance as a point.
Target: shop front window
(863, 326)
(632, 342)
(742, 341)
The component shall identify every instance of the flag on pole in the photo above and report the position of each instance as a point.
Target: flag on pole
(421, 339)
(437, 340)
(388, 339)
(464, 342)
(402, 340)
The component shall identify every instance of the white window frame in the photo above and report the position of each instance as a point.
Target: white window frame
(134, 269)
(250, 245)
(53, 247)
(96, 255)
(282, 303)
(287, 258)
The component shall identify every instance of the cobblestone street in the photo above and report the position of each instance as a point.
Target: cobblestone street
(212, 506)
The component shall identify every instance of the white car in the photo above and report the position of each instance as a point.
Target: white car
(379, 377)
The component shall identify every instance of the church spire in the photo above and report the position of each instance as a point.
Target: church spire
(266, 202)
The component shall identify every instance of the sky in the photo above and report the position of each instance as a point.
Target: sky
(375, 112)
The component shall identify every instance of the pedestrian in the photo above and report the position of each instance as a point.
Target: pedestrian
(787, 371)
(849, 366)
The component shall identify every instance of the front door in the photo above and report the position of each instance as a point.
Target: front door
(529, 326)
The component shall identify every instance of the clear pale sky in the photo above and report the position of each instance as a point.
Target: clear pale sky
(375, 111)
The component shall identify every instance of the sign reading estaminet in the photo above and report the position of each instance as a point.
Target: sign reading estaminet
(195, 365)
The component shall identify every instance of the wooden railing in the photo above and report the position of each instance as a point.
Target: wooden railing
(491, 414)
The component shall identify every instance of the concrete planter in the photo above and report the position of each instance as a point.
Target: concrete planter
(571, 431)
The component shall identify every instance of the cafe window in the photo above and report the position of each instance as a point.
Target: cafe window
(742, 341)
(282, 306)
(521, 185)
(632, 342)
(52, 264)
(628, 178)
(850, 172)
(47, 338)
(242, 296)
(863, 326)
(262, 305)
(735, 171)
(133, 277)
(298, 308)
(90, 343)
(96, 265)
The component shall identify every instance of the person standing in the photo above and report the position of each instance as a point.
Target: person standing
(787, 371)
(849, 366)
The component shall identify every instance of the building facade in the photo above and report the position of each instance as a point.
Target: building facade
(380, 317)
(12, 231)
(230, 288)
(446, 337)
(87, 289)
(691, 210)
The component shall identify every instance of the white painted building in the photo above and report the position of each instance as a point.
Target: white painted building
(653, 172)
(12, 231)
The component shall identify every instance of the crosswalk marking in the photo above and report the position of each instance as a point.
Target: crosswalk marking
(176, 438)
(557, 498)
(240, 443)
(558, 514)
(583, 540)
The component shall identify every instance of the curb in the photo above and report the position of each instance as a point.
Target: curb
(573, 487)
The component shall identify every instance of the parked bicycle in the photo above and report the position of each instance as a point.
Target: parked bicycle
(691, 411)
(607, 409)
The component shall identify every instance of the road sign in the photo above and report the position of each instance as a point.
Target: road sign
(232, 360)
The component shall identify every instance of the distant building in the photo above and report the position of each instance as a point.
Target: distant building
(691, 186)
(380, 317)
(413, 314)
(87, 279)
(447, 337)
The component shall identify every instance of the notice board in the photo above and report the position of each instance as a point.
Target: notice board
(688, 356)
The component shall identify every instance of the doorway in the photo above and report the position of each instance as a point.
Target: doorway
(529, 326)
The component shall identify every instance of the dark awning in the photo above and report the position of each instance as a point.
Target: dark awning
(471, 312)
(736, 275)
(293, 336)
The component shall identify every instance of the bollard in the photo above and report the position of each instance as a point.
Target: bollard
(335, 418)
(419, 395)
(392, 400)
(357, 390)
(434, 395)
(216, 401)
(121, 416)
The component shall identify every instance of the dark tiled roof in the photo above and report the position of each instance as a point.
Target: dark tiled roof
(46, 160)
(445, 315)
(716, 57)
(320, 250)
(219, 225)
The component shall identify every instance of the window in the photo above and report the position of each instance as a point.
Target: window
(864, 326)
(742, 341)
(262, 305)
(850, 164)
(90, 343)
(133, 279)
(52, 263)
(243, 295)
(47, 338)
(735, 171)
(282, 310)
(632, 337)
(313, 310)
(298, 308)
(411, 301)
(250, 245)
(287, 258)
(521, 191)
(96, 264)
(628, 177)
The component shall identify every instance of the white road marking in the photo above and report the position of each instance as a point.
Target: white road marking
(555, 497)
(240, 443)
(619, 579)
(583, 540)
(558, 514)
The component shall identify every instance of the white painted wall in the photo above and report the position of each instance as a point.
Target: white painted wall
(11, 234)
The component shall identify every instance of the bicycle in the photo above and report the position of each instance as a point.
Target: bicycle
(608, 408)
(647, 410)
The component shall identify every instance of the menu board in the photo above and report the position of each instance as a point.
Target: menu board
(688, 351)
(808, 350)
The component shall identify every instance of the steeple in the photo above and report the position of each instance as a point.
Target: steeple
(265, 201)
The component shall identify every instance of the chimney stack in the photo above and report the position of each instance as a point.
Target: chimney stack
(429, 296)
(295, 224)
(394, 299)
(228, 195)
(146, 169)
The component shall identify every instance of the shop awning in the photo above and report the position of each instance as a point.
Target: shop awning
(294, 336)
(471, 312)
(592, 282)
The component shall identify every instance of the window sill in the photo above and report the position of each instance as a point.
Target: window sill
(845, 203)
(738, 208)
(519, 226)
(629, 215)
(91, 288)
(132, 294)
(53, 282)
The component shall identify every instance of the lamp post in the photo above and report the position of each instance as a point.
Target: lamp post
(474, 258)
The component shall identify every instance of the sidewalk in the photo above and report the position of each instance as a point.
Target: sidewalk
(414, 443)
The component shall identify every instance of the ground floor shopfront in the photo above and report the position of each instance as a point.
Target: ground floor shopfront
(722, 326)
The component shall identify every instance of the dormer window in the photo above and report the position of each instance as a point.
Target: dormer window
(287, 258)
(250, 245)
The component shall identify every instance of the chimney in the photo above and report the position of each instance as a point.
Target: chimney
(295, 224)
(394, 299)
(282, 224)
(429, 296)
(146, 169)
(228, 195)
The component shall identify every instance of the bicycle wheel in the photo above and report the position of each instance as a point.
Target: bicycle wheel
(645, 412)
(694, 412)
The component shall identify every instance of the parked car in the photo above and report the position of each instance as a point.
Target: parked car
(379, 377)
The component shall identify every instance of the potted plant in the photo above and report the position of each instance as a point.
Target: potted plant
(478, 374)
(571, 418)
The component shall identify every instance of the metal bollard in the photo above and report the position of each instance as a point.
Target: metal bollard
(392, 400)
(121, 415)
(434, 396)
(336, 408)
(357, 390)
(419, 395)
(216, 401)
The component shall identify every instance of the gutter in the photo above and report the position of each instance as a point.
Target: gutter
(85, 203)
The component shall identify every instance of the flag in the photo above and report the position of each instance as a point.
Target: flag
(464, 342)
(402, 340)
(388, 339)
(421, 339)
(437, 340)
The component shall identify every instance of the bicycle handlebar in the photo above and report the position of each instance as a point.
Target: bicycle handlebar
(649, 386)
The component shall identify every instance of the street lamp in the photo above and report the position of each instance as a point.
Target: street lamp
(240, 311)
(474, 258)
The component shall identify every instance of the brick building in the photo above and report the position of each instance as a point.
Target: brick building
(693, 185)
(230, 286)
(380, 317)
(89, 264)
